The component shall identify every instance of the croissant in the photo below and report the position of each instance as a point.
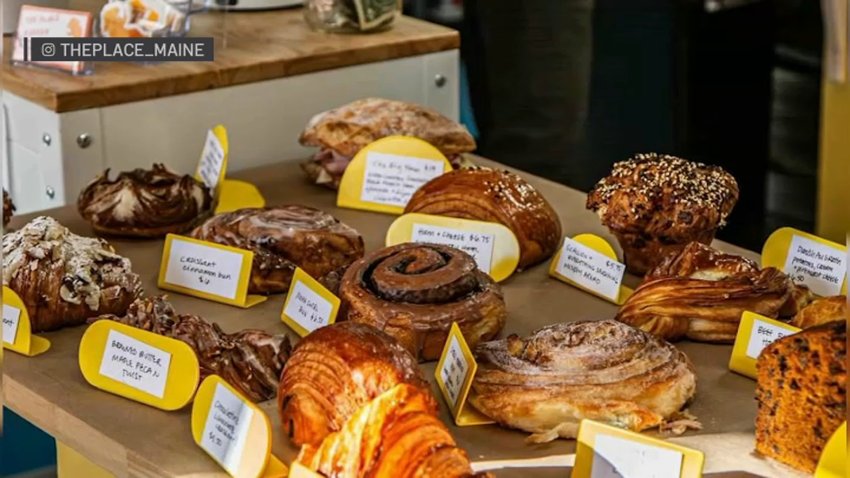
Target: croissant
(821, 311)
(62, 278)
(605, 371)
(333, 372)
(249, 360)
(414, 292)
(283, 238)
(495, 196)
(700, 293)
(396, 435)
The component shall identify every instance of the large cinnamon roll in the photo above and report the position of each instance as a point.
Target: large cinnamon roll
(700, 293)
(396, 435)
(144, 203)
(415, 291)
(334, 371)
(250, 360)
(62, 278)
(495, 196)
(283, 238)
(605, 371)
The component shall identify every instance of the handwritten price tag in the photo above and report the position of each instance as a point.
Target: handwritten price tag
(17, 331)
(135, 363)
(455, 372)
(808, 259)
(309, 305)
(754, 334)
(11, 318)
(207, 270)
(588, 262)
(212, 166)
(478, 245)
(226, 430)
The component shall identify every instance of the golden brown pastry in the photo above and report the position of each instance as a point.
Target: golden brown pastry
(822, 311)
(343, 131)
(605, 371)
(496, 196)
(250, 360)
(655, 204)
(283, 238)
(801, 394)
(8, 208)
(145, 203)
(62, 278)
(334, 371)
(396, 435)
(700, 293)
(415, 291)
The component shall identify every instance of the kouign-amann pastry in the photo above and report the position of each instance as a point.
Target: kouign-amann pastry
(145, 203)
(822, 311)
(496, 196)
(655, 204)
(283, 238)
(396, 435)
(342, 132)
(62, 278)
(333, 372)
(700, 293)
(801, 394)
(250, 360)
(414, 292)
(8, 208)
(605, 371)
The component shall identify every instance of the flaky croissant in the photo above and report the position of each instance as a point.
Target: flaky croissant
(396, 435)
(700, 293)
(334, 371)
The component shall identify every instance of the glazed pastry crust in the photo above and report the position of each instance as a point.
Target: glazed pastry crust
(606, 371)
(822, 311)
(495, 196)
(333, 372)
(414, 292)
(283, 238)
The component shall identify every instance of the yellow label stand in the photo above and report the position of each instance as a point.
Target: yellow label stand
(70, 464)
(309, 305)
(454, 373)
(776, 249)
(248, 452)
(833, 460)
(16, 319)
(755, 332)
(204, 269)
(297, 470)
(501, 249)
(237, 194)
(601, 246)
(384, 174)
(132, 351)
(612, 448)
(229, 194)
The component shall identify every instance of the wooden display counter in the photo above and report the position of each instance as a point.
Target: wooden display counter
(130, 439)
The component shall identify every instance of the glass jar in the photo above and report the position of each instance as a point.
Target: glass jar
(351, 15)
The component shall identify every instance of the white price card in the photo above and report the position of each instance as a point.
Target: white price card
(309, 305)
(476, 244)
(820, 267)
(454, 370)
(590, 269)
(205, 268)
(615, 457)
(212, 163)
(454, 375)
(392, 179)
(226, 429)
(135, 363)
(755, 332)
(763, 334)
(11, 319)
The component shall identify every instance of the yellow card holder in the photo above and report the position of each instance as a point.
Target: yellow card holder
(611, 448)
(143, 366)
(384, 174)
(833, 459)
(247, 452)
(16, 324)
(777, 247)
(309, 305)
(229, 194)
(207, 270)
(297, 470)
(454, 374)
(601, 246)
(755, 332)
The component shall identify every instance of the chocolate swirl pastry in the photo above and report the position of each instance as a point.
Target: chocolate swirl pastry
(655, 204)
(495, 196)
(605, 371)
(396, 435)
(62, 278)
(283, 238)
(249, 360)
(144, 203)
(415, 291)
(8, 208)
(700, 293)
(334, 371)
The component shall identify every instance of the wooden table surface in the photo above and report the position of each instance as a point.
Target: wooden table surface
(130, 439)
(249, 47)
